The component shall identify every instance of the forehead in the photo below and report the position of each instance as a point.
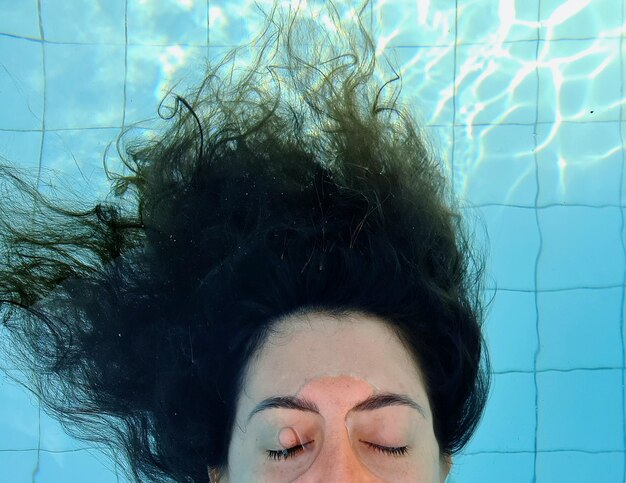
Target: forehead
(311, 346)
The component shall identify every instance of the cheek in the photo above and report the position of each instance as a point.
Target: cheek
(239, 452)
(244, 457)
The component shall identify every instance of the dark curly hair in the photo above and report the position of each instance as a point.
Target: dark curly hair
(134, 317)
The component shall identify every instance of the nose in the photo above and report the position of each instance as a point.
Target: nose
(339, 463)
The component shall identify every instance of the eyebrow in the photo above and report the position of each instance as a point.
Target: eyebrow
(372, 403)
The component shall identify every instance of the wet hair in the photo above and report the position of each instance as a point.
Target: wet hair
(293, 189)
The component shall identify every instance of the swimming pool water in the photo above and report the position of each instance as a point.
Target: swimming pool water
(525, 100)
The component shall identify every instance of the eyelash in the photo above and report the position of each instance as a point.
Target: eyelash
(290, 452)
(399, 451)
(284, 454)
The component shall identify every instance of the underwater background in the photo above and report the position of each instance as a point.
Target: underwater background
(525, 102)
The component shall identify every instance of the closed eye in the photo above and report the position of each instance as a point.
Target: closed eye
(283, 454)
(393, 451)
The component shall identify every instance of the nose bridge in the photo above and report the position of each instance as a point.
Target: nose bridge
(338, 460)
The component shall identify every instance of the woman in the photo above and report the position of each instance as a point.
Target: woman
(280, 289)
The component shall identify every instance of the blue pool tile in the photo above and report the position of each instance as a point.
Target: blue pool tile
(71, 102)
(580, 164)
(54, 438)
(578, 329)
(581, 247)
(492, 21)
(18, 466)
(441, 139)
(19, 18)
(508, 424)
(410, 23)
(486, 93)
(424, 70)
(5, 362)
(620, 320)
(513, 246)
(163, 22)
(623, 157)
(579, 80)
(81, 466)
(510, 330)
(19, 415)
(73, 160)
(575, 20)
(580, 467)
(484, 154)
(580, 410)
(21, 149)
(21, 84)
(228, 25)
(152, 70)
(105, 25)
(492, 468)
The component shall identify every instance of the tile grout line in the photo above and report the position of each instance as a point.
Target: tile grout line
(454, 92)
(124, 106)
(554, 290)
(391, 46)
(536, 274)
(425, 125)
(621, 196)
(37, 466)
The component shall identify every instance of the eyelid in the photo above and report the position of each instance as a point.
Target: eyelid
(286, 453)
(390, 450)
(283, 454)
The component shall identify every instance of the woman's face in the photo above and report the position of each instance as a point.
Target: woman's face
(333, 401)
